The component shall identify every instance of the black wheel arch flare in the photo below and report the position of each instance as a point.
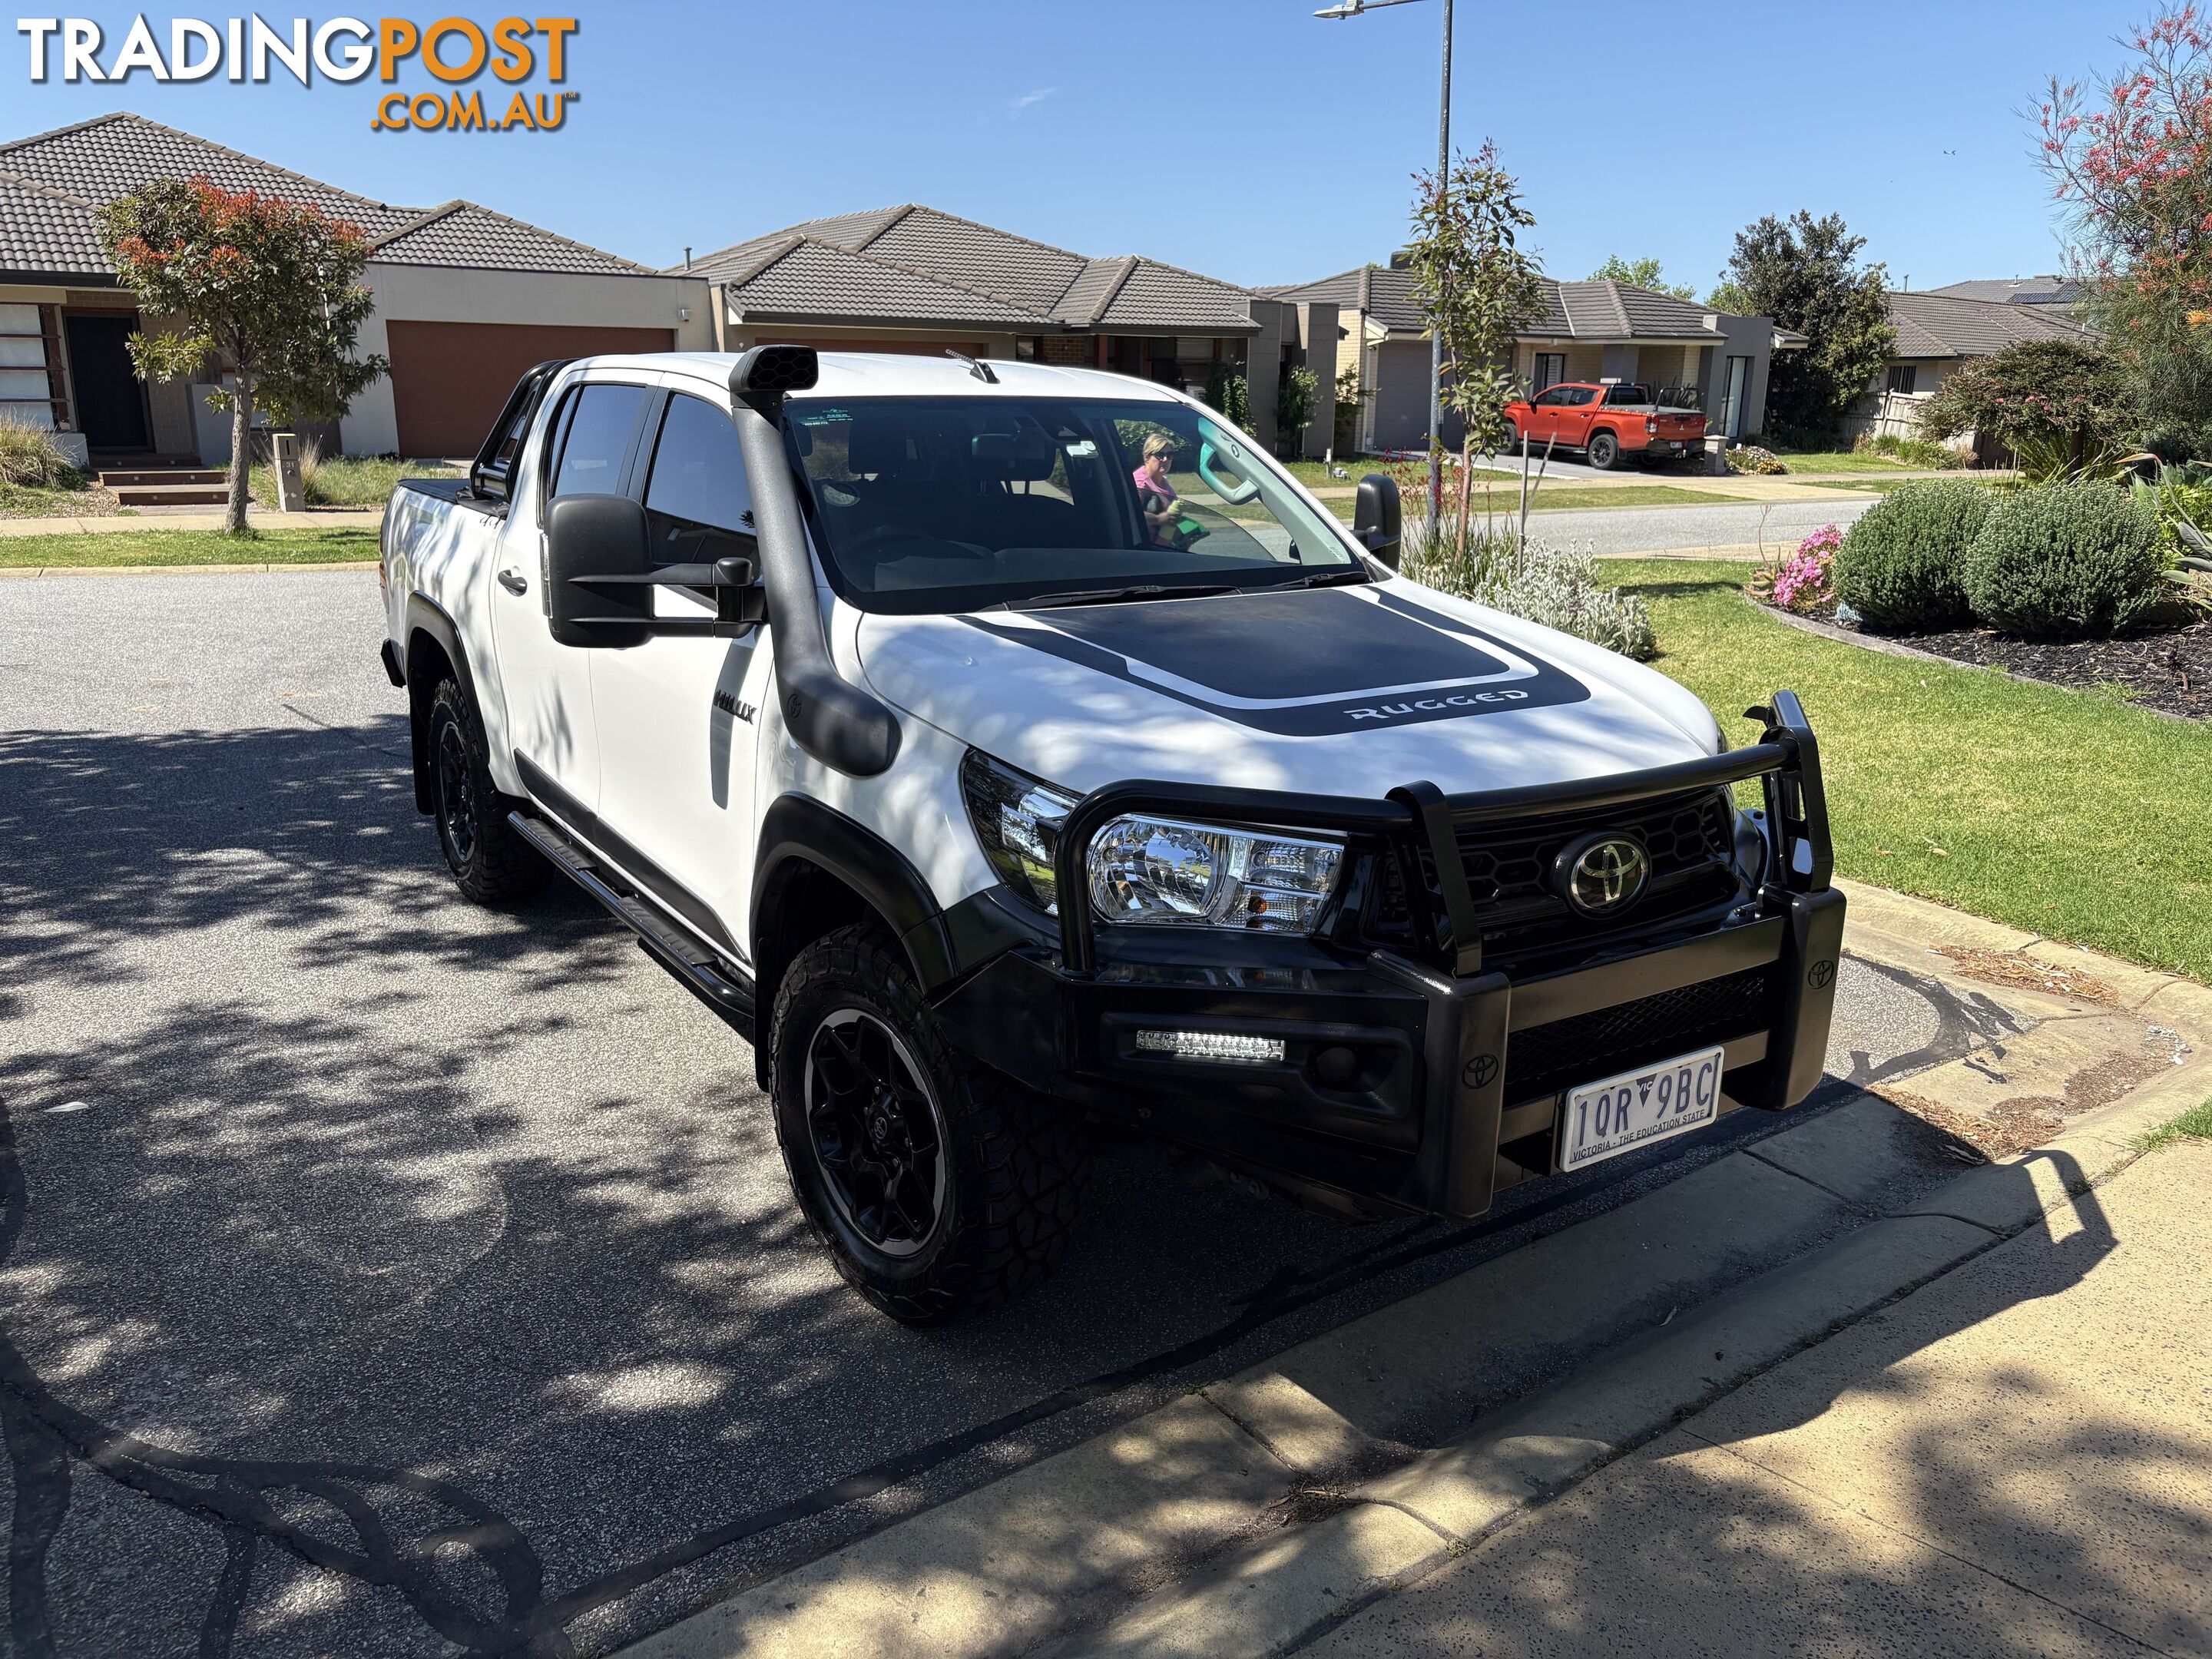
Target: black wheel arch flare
(805, 841)
(429, 624)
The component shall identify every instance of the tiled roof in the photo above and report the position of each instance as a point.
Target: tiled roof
(805, 278)
(1013, 267)
(43, 229)
(96, 161)
(1154, 296)
(1581, 311)
(921, 250)
(1094, 286)
(2017, 290)
(1386, 296)
(462, 233)
(1938, 326)
(114, 154)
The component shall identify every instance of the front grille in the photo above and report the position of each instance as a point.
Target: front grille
(1506, 865)
(1545, 1059)
(1690, 839)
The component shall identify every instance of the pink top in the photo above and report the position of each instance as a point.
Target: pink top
(1148, 485)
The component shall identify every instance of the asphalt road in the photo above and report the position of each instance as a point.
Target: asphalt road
(381, 1275)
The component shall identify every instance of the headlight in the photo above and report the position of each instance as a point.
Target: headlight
(1017, 819)
(1153, 871)
(1158, 871)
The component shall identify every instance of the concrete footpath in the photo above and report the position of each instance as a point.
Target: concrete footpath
(2015, 1460)
(2004, 1368)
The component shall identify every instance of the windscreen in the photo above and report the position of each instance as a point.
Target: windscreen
(948, 504)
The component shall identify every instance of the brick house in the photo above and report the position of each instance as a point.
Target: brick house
(467, 299)
(915, 279)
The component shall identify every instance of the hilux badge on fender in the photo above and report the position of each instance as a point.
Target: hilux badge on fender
(1601, 875)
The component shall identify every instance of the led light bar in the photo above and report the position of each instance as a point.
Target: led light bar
(1230, 1046)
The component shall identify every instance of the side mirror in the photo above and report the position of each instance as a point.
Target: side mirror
(598, 550)
(1377, 518)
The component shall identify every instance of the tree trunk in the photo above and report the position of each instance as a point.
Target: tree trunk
(241, 455)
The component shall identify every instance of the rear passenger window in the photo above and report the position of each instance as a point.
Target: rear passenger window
(599, 425)
(699, 469)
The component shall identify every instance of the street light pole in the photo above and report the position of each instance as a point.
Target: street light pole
(1354, 8)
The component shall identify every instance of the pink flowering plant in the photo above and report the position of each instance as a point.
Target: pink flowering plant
(1801, 582)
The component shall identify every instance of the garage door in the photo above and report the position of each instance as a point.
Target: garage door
(449, 380)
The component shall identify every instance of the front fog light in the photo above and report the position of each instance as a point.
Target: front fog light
(1163, 873)
(1230, 1046)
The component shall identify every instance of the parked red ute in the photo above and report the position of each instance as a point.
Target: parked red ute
(1607, 421)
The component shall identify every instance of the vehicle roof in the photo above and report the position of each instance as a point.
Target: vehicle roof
(870, 373)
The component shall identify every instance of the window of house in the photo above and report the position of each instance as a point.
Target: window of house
(1551, 369)
(1902, 376)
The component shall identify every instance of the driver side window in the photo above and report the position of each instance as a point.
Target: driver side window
(1553, 399)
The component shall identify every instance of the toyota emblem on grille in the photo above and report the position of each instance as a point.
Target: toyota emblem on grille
(1603, 874)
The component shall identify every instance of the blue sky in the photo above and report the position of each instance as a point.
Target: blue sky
(1248, 140)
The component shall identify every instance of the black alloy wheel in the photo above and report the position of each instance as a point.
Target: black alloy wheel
(456, 796)
(1604, 451)
(938, 1187)
(491, 861)
(876, 1133)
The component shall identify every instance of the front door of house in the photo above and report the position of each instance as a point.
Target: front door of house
(109, 399)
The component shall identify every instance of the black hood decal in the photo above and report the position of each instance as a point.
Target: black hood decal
(1305, 664)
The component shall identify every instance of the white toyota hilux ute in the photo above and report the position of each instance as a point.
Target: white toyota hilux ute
(1002, 749)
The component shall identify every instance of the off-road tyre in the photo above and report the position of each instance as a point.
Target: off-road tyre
(1604, 451)
(1014, 1162)
(491, 863)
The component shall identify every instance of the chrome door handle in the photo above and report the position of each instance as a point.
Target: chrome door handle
(513, 582)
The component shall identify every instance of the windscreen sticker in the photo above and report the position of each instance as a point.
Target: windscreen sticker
(1309, 663)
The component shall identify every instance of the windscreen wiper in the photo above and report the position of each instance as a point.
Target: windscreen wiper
(1320, 578)
(1110, 595)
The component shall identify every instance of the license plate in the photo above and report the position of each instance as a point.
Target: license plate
(1604, 1120)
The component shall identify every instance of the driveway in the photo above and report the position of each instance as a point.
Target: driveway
(1628, 531)
(381, 1275)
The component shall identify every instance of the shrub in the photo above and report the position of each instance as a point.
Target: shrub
(2070, 559)
(1548, 586)
(1750, 457)
(1801, 581)
(31, 460)
(1899, 565)
(1913, 452)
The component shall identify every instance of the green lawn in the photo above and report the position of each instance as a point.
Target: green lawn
(2063, 811)
(334, 545)
(351, 481)
(1841, 460)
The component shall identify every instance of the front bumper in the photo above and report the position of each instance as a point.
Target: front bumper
(1417, 1081)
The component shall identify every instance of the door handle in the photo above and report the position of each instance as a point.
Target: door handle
(513, 582)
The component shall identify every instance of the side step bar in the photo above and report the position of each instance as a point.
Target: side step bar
(719, 984)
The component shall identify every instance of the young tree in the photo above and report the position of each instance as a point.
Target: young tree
(2073, 392)
(1481, 290)
(1641, 273)
(2131, 159)
(1803, 273)
(1296, 395)
(269, 288)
